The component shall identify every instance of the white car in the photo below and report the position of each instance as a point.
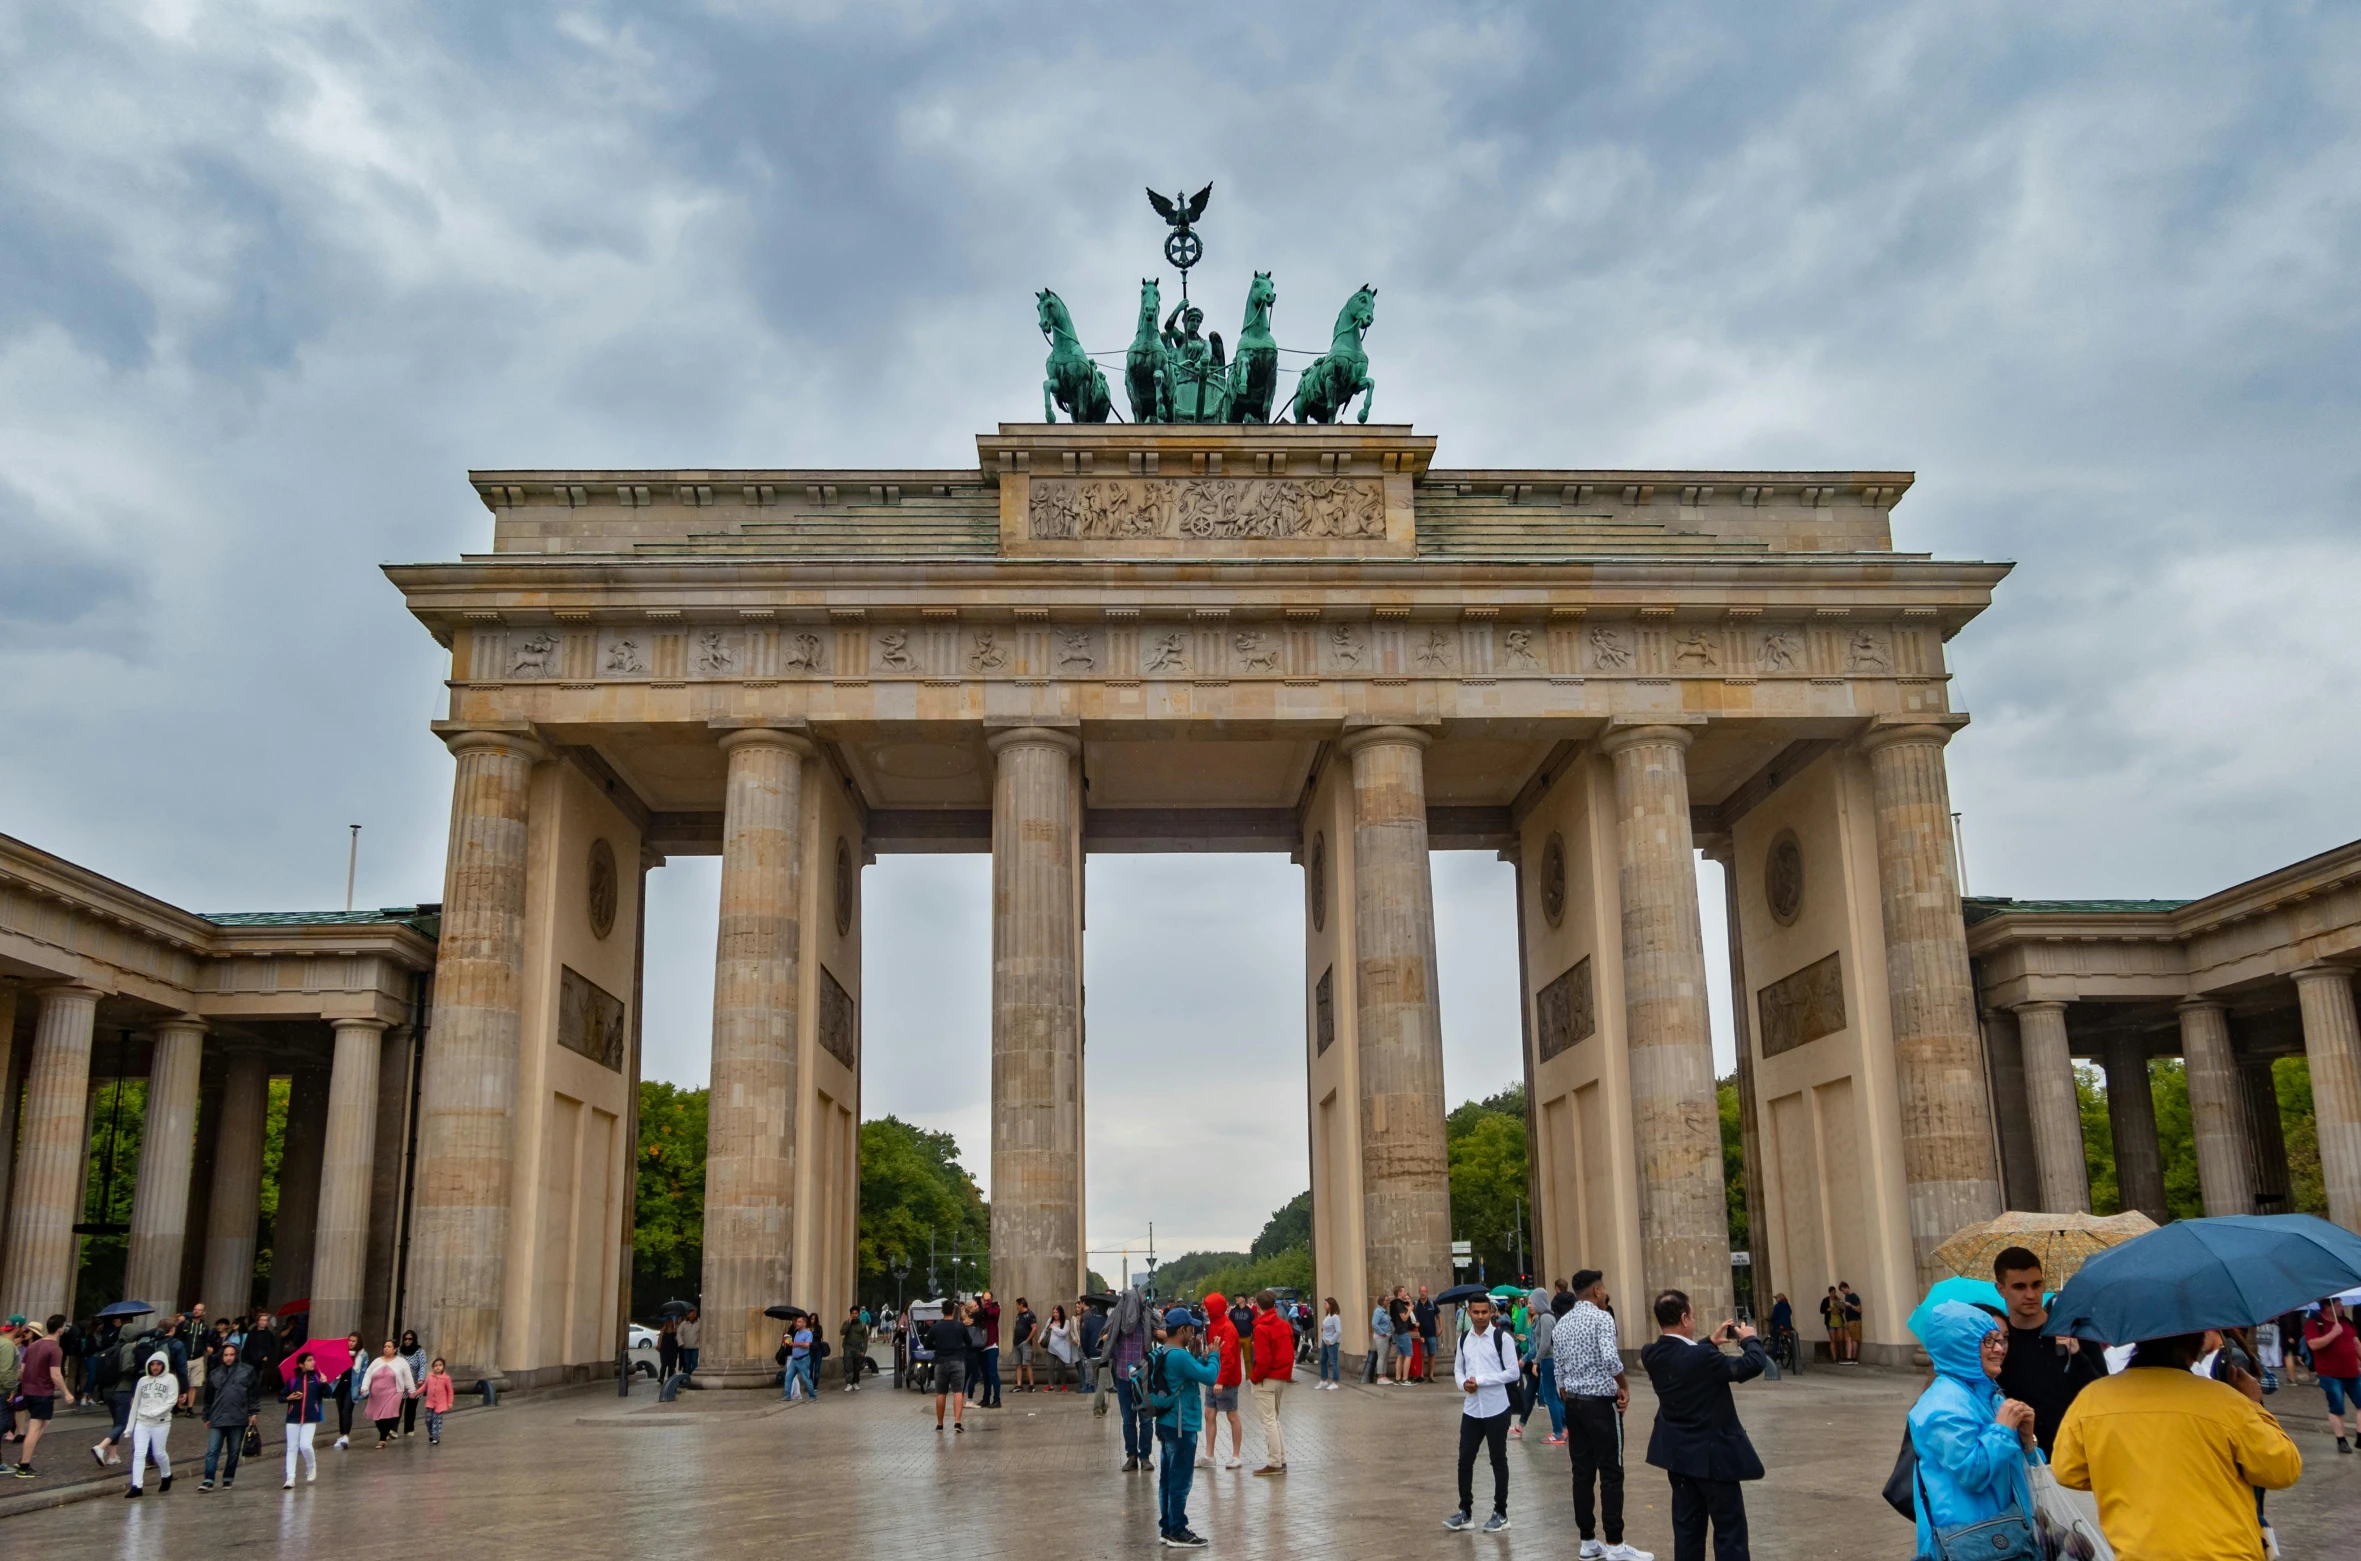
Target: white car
(642, 1348)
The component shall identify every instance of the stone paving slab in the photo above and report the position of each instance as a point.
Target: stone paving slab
(867, 1476)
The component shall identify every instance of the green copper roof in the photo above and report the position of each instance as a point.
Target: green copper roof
(1983, 907)
(425, 920)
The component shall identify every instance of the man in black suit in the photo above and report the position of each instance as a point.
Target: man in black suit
(1698, 1441)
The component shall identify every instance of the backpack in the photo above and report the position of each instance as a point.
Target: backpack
(131, 1358)
(1161, 1397)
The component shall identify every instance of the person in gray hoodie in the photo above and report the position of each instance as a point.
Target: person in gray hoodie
(152, 1402)
(229, 1410)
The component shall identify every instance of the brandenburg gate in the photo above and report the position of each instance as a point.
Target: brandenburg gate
(1169, 636)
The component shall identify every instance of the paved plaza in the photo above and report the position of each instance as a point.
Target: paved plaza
(736, 1474)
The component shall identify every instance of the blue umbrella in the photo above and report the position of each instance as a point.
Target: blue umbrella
(126, 1309)
(2192, 1275)
(1976, 1292)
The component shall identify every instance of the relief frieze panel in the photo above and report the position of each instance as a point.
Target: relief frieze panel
(1205, 508)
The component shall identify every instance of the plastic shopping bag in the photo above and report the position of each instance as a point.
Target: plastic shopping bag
(2066, 1521)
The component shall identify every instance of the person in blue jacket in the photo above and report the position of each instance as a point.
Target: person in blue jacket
(307, 1399)
(1175, 1371)
(1971, 1440)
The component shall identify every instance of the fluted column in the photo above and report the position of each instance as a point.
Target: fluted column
(52, 1156)
(1405, 1166)
(294, 1230)
(2217, 1109)
(2266, 1136)
(1036, 1022)
(396, 1066)
(341, 1240)
(1675, 1119)
(236, 1203)
(2332, 1040)
(466, 1173)
(9, 1063)
(2055, 1108)
(2131, 1117)
(750, 1136)
(167, 1153)
(1948, 1165)
(2020, 1169)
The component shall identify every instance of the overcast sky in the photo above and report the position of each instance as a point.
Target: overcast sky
(273, 276)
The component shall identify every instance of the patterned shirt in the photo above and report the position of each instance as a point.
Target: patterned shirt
(1584, 1348)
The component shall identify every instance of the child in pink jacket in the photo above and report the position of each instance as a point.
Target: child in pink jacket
(437, 1390)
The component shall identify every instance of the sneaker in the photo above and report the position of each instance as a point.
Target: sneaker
(2343, 1446)
(956, 1426)
(1129, 1464)
(1591, 1550)
(1458, 1521)
(165, 1483)
(1517, 1431)
(311, 1476)
(226, 1484)
(1204, 1460)
(1627, 1553)
(1497, 1523)
(343, 1441)
(1234, 1463)
(100, 1453)
(132, 1494)
(1553, 1441)
(205, 1485)
(1189, 1539)
(24, 1471)
(290, 1485)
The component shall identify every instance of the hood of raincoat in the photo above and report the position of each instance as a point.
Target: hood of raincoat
(1953, 1334)
(1131, 1313)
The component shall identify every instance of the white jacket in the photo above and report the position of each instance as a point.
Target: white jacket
(152, 1400)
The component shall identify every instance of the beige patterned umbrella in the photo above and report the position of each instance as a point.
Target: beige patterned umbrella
(2061, 1241)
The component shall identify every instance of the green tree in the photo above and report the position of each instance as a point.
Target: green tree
(2291, 1080)
(118, 1122)
(1489, 1167)
(912, 1185)
(1733, 1162)
(668, 1233)
(1289, 1226)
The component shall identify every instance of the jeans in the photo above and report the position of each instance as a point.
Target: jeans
(688, 1359)
(1174, 1479)
(434, 1427)
(218, 1440)
(1594, 1445)
(799, 1369)
(1328, 1362)
(1475, 1431)
(991, 1398)
(1550, 1400)
(1132, 1400)
(119, 1404)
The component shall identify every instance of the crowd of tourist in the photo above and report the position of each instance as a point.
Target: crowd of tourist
(226, 1375)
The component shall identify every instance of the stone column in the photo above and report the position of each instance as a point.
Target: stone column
(1405, 1168)
(466, 1173)
(52, 1157)
(1675, 1119)
(2217, 1109)
(2020, 1166)
(167, 1154)
(1036, 1019)
(341, 1250)
(388, 1176)
(2055, 1108)
(236, 1202)
(2266, 1139)
(750, 1135)
(294, 1231)
(2332, 1040)
(212, 1073)
(10, 1063)
(2131, 1116)
(1948, 1163)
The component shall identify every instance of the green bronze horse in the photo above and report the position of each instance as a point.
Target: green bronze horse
(1254, 373)
(1147, 369)
(1074, 382)
(1334, 378)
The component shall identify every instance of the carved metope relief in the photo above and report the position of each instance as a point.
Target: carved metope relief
(802, 652)
(1517, 651)
(589, 1019)
(1783, 877)
(1610, 648)
(1778, 649)
(535, 656)
(1343, 508)
(1563, 1011)
(1553, 880)
(712, 653)
(1801, 1008)
(838, 1033)
(604, 888)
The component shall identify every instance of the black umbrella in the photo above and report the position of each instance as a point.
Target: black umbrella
(1460, 1294)
(675, 1309)
(786, 1313)
(1100, 1298)
(126, 1309)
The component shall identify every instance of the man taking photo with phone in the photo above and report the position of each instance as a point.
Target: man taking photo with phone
(1698, 1441)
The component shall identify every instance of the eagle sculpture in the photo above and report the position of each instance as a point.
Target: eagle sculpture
(1181, 210)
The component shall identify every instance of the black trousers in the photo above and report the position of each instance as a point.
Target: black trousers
(1492, 1429)
(1695, 1500)
(1594, 1441)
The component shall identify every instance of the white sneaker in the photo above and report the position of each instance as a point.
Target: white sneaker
(1627, 1553)
(1233, 1464)
(290, 1485)
(1591, 1550)
(342, 1440)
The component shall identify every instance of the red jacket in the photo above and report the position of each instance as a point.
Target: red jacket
(1274, 1347)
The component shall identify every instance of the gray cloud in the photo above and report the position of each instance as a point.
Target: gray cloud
(270, 282)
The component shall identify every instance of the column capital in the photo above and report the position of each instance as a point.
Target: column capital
(511, 739)
(361, 1023)
(2199, 1003)
(68, 989)
(2321, 972)
(1641, 731)
(1033, 736)
(1384, 734)
(2040, 1005)
(1888, 731)
(768, 737)
(182, 1023)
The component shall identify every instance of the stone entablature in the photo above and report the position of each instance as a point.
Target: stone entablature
(2257, 932)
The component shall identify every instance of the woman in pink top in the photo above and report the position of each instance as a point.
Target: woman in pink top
(386, 1385)
(438, 1391)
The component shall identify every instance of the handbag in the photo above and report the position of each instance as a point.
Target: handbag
(252, 1447)
(1900, 1491)
(2008, 1537)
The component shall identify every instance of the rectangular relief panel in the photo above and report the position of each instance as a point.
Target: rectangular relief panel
(1803, 1249)
(1126, 509)
(1324, 1011)
(839, 1035)
(589, 1019)
(1800, 1008)
(1564, 1013)
(1598, 1179)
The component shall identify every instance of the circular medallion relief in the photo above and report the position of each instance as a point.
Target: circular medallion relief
(1319, 884)
(844, 887)
(1783, 878)
(1553, 880)
(604, 888)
